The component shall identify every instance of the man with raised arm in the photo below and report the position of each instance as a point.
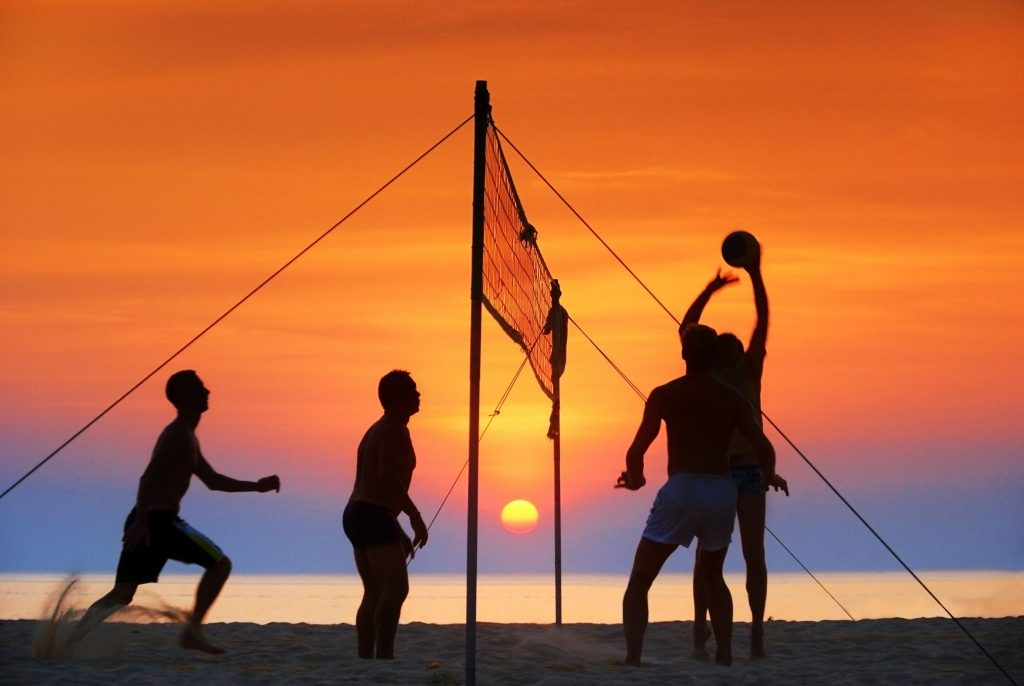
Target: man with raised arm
(743, 370)
(385, 461)
(153, 531)
(699, 499)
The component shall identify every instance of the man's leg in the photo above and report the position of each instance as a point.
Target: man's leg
(366, 628)
(391, 577)
(750, 510)
(209, 588)
(118, 597)
(649, 558)
(701, 633)
(719, 601)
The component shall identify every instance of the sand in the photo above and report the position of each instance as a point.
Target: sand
(877, 651)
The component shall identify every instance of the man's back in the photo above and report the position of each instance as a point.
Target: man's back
(700, 413)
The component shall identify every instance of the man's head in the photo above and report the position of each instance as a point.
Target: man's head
(397, 393)
(700, 344)
(187, 393)
(730, 351)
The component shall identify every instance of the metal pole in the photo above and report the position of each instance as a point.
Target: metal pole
(483, 111)
(556, 387)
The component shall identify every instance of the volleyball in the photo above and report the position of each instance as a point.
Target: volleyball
(740, 249)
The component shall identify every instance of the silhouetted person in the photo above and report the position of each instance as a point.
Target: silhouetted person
(699, 499)
(153, 531)
(384, 464)
(743, 370)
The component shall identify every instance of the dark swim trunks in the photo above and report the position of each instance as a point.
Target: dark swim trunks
(368, 525)
(749, 479)
(170, 538)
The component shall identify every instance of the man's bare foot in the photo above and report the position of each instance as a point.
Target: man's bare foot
(193, 640)
(723, 657)
(756, 642)
(633, 661)
(92, 618)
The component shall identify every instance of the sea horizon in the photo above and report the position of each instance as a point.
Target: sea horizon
(529, 598)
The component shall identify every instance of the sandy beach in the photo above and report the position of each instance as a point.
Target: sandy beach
(879, 651)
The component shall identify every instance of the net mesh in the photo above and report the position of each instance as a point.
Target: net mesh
(517, 283)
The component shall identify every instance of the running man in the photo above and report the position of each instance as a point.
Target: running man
(153, 531)
(385, 461)
(699, 499)
(743, 370)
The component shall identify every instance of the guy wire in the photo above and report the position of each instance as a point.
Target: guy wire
(768, 419)
(497, 411)
(234, 307)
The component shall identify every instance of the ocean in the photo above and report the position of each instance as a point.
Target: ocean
(588, 598)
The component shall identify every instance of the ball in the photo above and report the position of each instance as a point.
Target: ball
(740, 249)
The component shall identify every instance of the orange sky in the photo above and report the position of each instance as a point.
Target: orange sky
(162, 159)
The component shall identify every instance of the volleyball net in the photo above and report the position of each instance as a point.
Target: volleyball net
(517, 285)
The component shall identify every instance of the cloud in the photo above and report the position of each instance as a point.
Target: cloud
(642, 175)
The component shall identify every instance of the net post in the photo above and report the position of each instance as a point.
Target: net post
(557, 450)
(482, 100)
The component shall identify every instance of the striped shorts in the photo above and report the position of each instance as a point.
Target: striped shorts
(170, 538)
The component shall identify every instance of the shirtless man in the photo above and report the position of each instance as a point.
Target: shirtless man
(153, 532)
(743, 370)
(384, 464)
(699, 499)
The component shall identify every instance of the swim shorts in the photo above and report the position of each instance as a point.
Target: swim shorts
(368, 525)
(170, 538)
(749, 479)
(693, 505)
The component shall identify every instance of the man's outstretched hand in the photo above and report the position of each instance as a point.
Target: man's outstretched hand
(269, 483)
(720, 281)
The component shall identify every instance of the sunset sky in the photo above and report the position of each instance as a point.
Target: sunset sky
(162, 158)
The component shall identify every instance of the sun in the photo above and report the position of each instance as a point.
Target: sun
(519, 516)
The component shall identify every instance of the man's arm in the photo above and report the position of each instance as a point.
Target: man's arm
(162, 467)
(138, 532)
(218, 482)
(650, 425)
(759, 338)
(419, 527)
(396, 474)
(696, 309)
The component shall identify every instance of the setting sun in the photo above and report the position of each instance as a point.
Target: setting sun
(519, 516)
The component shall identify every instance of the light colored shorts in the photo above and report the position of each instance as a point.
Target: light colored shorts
(693, 505)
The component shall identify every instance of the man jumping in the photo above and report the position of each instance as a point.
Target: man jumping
(699, 499)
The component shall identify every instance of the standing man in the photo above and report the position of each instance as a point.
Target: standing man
(699, 499)
(742, 369)
(384, 464)
(153, 531)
